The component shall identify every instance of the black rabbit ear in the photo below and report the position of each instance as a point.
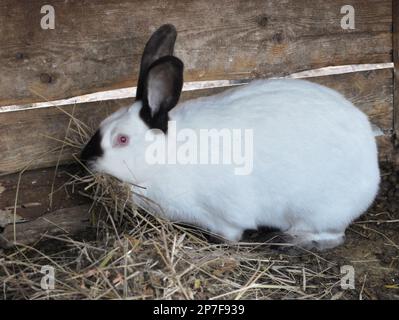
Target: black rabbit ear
(161, 43)
(161, 91)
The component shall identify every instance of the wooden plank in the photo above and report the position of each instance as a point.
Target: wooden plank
(386, 149)
(34, 137)
(96, 45)
(395, 17)
(371, 91)
(68, 221)
(30, 194)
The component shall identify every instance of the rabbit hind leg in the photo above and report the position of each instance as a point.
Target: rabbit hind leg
(316, 240)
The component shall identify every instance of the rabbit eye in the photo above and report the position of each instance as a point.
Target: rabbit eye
(122, 140)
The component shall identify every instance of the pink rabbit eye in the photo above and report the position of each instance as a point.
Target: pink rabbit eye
(122, 140)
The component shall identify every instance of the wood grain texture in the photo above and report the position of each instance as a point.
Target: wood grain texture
(386, 148)
(68, 221)
(32, 195)
(395, 38)
(97, 44)
(30, 136)
(371, 91)
(34, 138)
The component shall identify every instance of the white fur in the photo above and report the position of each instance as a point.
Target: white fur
(315, 162)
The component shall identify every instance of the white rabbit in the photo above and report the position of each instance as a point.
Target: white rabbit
(314, 169)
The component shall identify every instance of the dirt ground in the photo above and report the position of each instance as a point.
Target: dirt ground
(372, 243)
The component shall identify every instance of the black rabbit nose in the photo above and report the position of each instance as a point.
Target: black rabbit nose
(93, 149)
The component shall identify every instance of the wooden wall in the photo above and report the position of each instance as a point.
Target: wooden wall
(96, 45)
(395, 51)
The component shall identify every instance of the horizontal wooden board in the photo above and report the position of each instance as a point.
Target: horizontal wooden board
(395, 15)
(34, 138)
(32, 194)
(31, 136)
(371, 91)
(69, 222)
(97, 44)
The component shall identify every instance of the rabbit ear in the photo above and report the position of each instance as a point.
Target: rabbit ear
(161, 43)
(161, 91)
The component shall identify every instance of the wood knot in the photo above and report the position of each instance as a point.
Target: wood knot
(263, 21)
(278, 37)
(46, 78)
(19, 56)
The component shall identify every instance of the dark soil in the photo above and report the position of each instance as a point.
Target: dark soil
(372, 242)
